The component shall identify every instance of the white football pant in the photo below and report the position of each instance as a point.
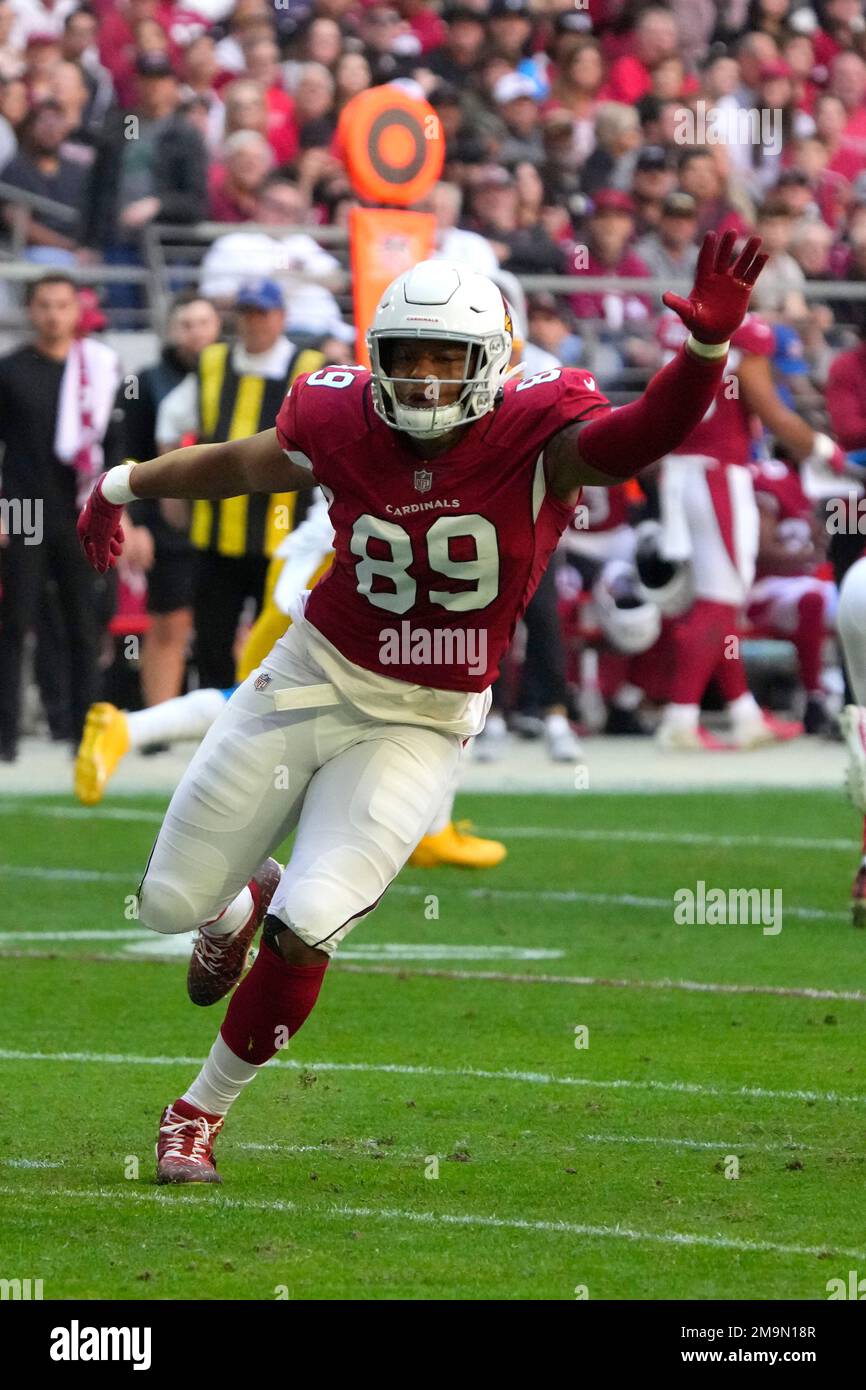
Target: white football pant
(360, 791)
(851, 627)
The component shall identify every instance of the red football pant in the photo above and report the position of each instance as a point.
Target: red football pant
(699, 648)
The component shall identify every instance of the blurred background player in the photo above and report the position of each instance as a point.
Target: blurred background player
(710, 519)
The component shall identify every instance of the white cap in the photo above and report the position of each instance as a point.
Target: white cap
(513, 85)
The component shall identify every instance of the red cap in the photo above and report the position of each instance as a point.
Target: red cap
(612, 200)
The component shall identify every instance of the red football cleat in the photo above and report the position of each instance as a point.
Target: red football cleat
(858, 898)
(184, 1149)
(217, 962)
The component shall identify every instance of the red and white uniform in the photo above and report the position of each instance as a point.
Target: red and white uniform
(330, 738)
(708, 508)
(434, 549)
(774, 601)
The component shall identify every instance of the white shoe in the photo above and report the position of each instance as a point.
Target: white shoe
(489, 746)
(563, 745)
(673, 738)
(852, 722)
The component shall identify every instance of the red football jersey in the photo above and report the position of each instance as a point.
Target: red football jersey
(778, 488)
(725, 433)
(435, 559)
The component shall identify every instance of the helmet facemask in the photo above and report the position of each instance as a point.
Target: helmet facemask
(484, 371)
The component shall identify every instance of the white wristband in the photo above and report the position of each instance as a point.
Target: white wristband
(115, 484)
(823, 449)
(711, 351)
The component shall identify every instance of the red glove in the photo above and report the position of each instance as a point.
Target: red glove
(717, 305)
(100, 531)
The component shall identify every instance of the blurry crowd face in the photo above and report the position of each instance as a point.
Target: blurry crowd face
(668, 77)
(14, 101)
(70, 89)
(192, 328)
(79, 35)
(700, 177)
(585, 72)
(611, 233)
(656, 37)
(249, 165)
(48, 131)
(530, 189)
(282, 205)
(848, 80)
(677, 232)
(200, 66)
(246, 108)
(259, 329)
(157, 97)
(150, 37)
(546, 329)
(496, 206)
(263, 62)
(830, 119)
(812, 249)
(54, 312)
(352, 75)
(722, 78)
(464, 40)
(508, 34)
(313, 94)
(775, 230)
(324, 42)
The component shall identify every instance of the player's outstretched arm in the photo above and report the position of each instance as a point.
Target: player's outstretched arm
(211, 471)
(617, 444)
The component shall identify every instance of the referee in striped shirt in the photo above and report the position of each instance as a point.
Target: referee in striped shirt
(236, 391)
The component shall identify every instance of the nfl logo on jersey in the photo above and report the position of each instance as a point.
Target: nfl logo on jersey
(262, 682)
(423, 479)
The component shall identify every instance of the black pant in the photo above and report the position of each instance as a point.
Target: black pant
(223, 585)
(24, 574)
(543, 681)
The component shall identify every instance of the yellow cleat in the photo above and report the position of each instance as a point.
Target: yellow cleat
(454, 845)
(104, 742)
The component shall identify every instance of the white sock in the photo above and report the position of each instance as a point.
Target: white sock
(220, 1081)
(556, 724)
(187, 716)
(745, 709)
(233, 917)
(681, 716)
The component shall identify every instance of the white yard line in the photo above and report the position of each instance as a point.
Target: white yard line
(360, 1148)
(692, 1088)
(429, 1218)
(668, 837)
(564, 895)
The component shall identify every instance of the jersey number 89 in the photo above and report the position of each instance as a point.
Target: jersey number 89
(483, 571)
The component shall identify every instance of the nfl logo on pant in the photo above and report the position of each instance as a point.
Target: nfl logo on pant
(423, 479)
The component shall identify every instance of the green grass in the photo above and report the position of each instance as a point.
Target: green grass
(334, 1203)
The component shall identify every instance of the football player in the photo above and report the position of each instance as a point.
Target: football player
(448, 487)
(851, 628)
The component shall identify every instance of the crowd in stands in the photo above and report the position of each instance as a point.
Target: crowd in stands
(583, 137)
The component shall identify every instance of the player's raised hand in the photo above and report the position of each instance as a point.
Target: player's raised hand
(99, 530)
(718, 302)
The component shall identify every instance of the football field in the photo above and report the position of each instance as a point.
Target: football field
(528, 1083)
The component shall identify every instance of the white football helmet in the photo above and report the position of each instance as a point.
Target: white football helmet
(667, 583)
(453, 303)
(629, 621)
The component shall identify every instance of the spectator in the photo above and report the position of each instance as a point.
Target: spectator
(41, 169)
(236, 391)
(162, 174)
(618, 138)
(848, 83)
(780, 292)
(654, 178)
(700, 176)
(509, 28)
(314, 98)
(193, 324)
(576, 90)
(351, 76)
(53, 452)
(456, 58)
(13, 109)
(199, 70)
(671, 252)
(79, 45)
(610, 230)
(454, 243)
(655, 39)
(11, 62)
(235, 185)
(246, 108)
(69, 89)
(846, 394)
(522, 250)
(304, 270)
(551, 331)
(514, 94)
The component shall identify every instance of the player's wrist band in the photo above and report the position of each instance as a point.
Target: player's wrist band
(115, 484)
(711, 351)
